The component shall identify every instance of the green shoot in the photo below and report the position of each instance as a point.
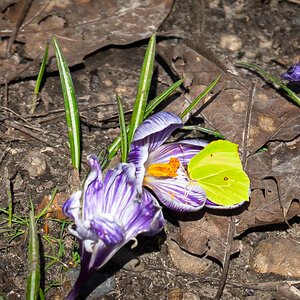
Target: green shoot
(273, 79)
(39, 80)
(196, 101)
(76, 257)
(124, 147)
(55, 283)
(61, 245)
(42, 296)
(205, 130)
(114, 147)
(9, 195)
(157, 100)
(103, 158)
(55, 259)
(71, 108)
(44, 211)
(143, 90)
(33, 279)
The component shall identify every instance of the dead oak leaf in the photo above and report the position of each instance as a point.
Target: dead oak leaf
(241, 111)
(252, 117)
(81, 27)
(206, 234)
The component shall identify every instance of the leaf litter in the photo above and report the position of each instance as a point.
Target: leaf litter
(81, 28)
(251, 117)
(274, 123)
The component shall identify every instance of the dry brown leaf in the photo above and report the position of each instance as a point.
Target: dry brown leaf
(81, 28)
(228, 107)
(206, 234)
(54, 210)
(252, 117)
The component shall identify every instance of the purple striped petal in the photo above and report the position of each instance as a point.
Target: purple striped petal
(183, 151)
(71, 207)
(108, 230)
(177, 193)
(153, 207)
(293, 73)
(155, 130)
(114, 212)
(93, 189)
(138, 156)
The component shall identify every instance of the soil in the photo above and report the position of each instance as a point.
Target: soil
(33, 165)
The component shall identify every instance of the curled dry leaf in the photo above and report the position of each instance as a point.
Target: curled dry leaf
(227, 108)
(81, 27)
(205, 234)
(251, 117)
(54, 210)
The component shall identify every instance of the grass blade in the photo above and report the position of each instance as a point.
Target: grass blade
(33, 279)
(44, 211)
(203, 129)
(124, 147)
(143, 90)
(195, 102)
(42, 296)
(39, 80)
(157, 100)
(10, 207)
(113, 148)
(71, 107)
(273, 79)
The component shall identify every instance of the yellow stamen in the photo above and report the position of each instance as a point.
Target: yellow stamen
(165, 170)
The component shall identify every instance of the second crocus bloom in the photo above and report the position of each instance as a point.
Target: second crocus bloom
(111, 214)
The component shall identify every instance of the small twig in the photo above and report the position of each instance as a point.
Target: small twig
(34, 16)
(3, 154)
(35, 136)
(245, 137)
(294, 1)
(246, 131)
(226, 260)
(23, 11)
(5, 100)
(50, 118)
(17, 115)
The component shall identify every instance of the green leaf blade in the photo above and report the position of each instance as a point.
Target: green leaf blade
(196, 101)
(71, 107)
(33, 279)
(124, 147)
(273, 79)
(143, 89)
(39, 80)
(157, 100)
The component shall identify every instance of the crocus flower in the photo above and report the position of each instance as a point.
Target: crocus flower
(163, 167)
(293, 73)
(113, 213)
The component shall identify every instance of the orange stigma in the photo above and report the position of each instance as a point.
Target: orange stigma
(164, 170)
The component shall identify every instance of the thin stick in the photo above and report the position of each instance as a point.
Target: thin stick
(23, 11)
(232, 222)
(226, 261)
(36, 136)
